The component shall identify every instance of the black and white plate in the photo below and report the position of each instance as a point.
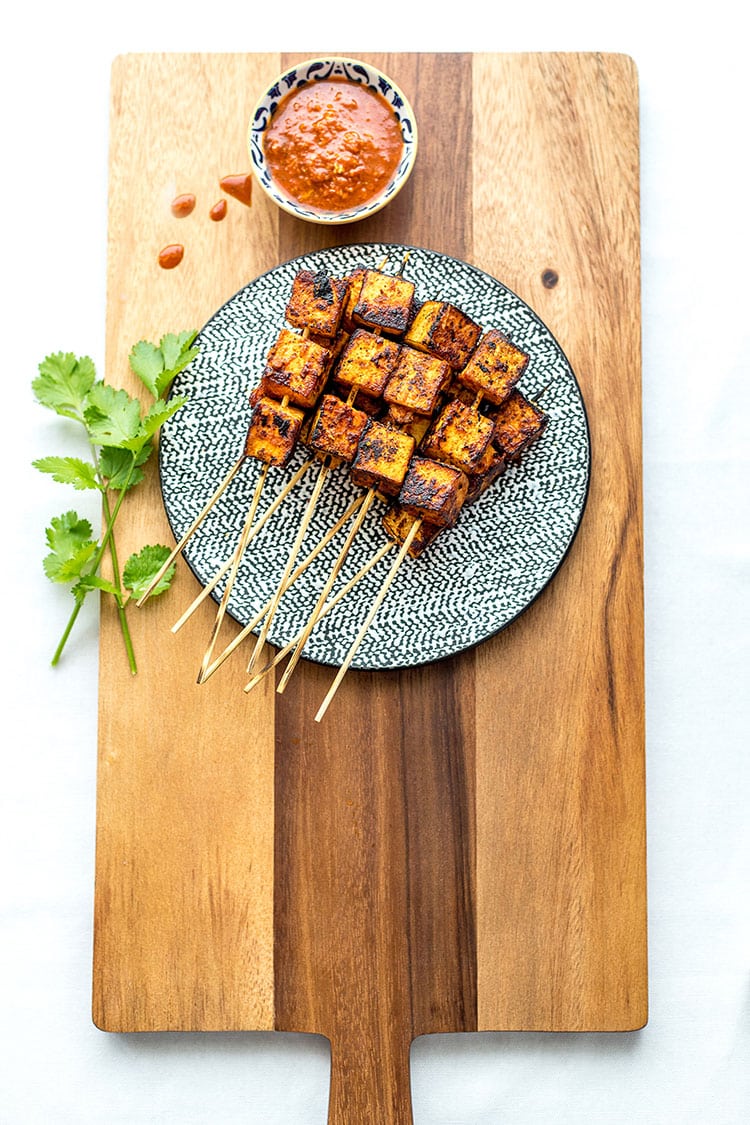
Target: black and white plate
(474, 579)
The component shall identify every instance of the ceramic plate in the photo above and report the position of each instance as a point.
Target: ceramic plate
(473, 580)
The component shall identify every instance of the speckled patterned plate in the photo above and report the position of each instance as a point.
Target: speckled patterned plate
(474, 579)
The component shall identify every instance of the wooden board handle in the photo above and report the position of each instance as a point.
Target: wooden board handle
(370, 1079)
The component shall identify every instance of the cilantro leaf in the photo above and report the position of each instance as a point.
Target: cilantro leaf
(89, 582)
(157, 365)
(157, 415)
(115, 466)
(141, 568)
(112, 417)
(71, 547)
(63, 383)
(69, 470)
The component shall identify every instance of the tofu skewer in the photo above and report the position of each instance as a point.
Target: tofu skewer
(320, 546)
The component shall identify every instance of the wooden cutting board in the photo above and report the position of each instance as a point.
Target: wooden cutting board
(458, 847)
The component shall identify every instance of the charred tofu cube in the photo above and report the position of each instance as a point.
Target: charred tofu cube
(492, 466)
(354, 281)
(459, 436)
(296, 367)
(433, 491)
(444, 331)
(518, 424)
(385, 302)
(273, 431)
(397, 524)
(317, 302)
(382, 458)
(417, 382)
(337, 428)
(367, 363)
(495, 367)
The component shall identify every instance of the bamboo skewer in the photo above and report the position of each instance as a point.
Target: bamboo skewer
(256, 529)
(325, 469)
(381, 552)
(235, 567)
(193, 527)
(369, 619)
(304, 636)
(237, 641)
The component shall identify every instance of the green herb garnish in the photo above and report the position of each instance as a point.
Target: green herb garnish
(120, 435)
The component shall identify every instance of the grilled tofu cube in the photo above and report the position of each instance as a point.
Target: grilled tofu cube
(273, 431)
(433, 491)
(354, 280)
(495, 367)
(367, 363)
(459, 436)
(444, 331)
(492, 466)
(417, 382)
(397, 524)
(296, 367)
(382, 458)
(337, 428)
(317, 302)
(385, 302)
(518, 424)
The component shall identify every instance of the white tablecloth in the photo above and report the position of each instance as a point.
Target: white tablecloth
(691, 1063)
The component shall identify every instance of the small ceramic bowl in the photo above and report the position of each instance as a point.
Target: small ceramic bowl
(316, 70)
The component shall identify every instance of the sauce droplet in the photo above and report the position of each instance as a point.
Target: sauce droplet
(550, 279)
(182, 205)
(171, 256)
(239, 187)
(218, 211)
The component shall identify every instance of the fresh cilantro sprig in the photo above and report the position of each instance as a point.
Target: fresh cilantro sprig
(121, 436)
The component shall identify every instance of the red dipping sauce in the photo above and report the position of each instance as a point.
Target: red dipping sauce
(333, 144)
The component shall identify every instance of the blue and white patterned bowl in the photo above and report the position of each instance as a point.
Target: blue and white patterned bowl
(316, 70)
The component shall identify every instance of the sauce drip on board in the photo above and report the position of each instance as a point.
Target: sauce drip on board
(333, 144)
(218, 211)
(171, 256)
(239, 187)
(182, 205)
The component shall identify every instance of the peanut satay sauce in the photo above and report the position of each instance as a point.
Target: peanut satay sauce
(333, 144)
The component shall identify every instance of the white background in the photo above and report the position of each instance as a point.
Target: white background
(691, 1063)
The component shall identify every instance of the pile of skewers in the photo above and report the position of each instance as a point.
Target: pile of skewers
(416, 400)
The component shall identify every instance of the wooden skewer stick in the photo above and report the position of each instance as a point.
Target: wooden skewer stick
(233, 573)
(325, 468)
(256, 529)
(363, 570)
(369, 619)
(237, 641)
(193, 527)
(305, 634)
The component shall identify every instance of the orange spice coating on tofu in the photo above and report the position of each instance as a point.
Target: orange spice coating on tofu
(397, 524)
(337, 429)
(273, 431)
(417, 382)
(382, 458)
(317, 302)
(459, 436)
(385, 302)
(517, 425)
(433, 491)
(445, 331)
(296, 367)
(367, 362)
(495, 367)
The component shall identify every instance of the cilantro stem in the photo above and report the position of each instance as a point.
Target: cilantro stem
(124, 627)
(63, 639)
(107, 538)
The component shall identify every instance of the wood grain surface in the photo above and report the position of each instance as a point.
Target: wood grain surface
(458, 847)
